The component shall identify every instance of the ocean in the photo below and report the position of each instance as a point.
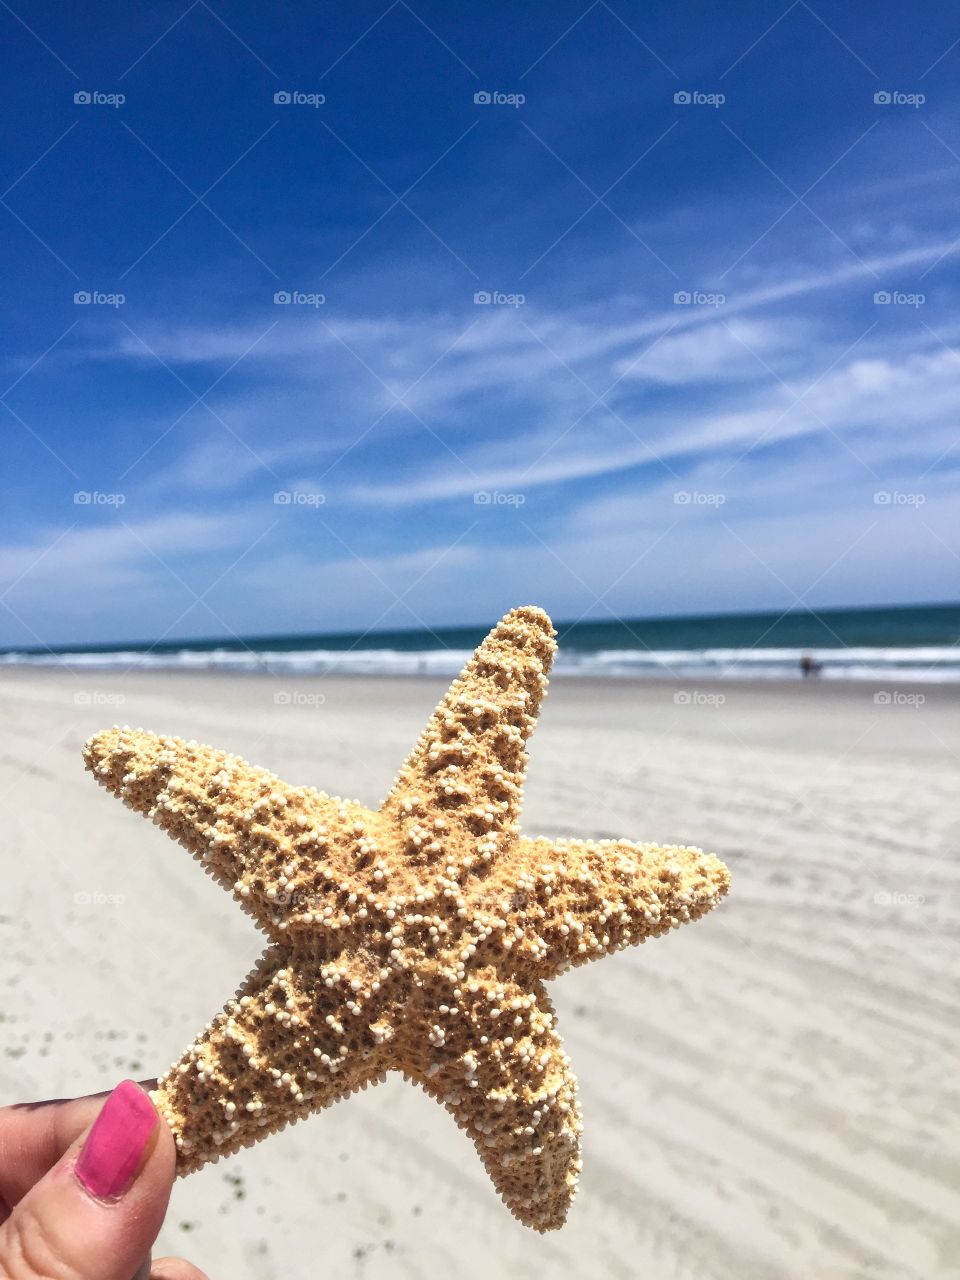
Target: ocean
(911, 643)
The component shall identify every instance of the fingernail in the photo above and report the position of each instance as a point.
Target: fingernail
(113, 1152)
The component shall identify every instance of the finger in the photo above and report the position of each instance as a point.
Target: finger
(176, 1269)
(96, 1213)
(34, 1135)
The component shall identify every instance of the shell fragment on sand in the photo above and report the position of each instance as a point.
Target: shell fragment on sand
(415, 938)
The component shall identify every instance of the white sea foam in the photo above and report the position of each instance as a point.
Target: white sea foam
(922, 664)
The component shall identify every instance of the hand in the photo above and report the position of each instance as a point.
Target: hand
(84, 1185)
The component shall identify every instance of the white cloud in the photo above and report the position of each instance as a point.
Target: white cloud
(877, 410)
(511, 399)
(723, 351)
(119, 572)
(409, 344)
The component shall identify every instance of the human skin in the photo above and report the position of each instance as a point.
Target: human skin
(84, 1185)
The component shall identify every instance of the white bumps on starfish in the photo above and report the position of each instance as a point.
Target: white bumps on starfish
(413, 938)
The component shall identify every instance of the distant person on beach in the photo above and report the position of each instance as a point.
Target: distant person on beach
(808, 667)
(84, 1185)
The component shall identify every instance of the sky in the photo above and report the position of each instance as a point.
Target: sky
(329, 317)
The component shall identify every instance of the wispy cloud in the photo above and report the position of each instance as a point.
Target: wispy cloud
(707, 327)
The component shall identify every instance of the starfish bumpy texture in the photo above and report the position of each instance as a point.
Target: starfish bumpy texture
(416, 938)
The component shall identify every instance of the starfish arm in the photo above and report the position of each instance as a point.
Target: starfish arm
(287, 1045)
(580, 899)
(469, 763)
(496, 1062)
(275, 847)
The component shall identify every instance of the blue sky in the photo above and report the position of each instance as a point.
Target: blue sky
(682, 396)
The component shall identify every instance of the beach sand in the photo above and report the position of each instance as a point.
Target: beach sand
(770, 1092)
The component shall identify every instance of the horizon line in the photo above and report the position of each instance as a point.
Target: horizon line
(250, 641)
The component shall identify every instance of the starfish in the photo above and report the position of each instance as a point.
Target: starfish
(414, 938)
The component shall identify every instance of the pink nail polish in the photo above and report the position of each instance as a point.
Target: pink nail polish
(111, 1156)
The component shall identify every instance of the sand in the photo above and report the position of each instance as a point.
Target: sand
(781, 1098)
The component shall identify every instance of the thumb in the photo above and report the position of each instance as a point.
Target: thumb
(96, 1213)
